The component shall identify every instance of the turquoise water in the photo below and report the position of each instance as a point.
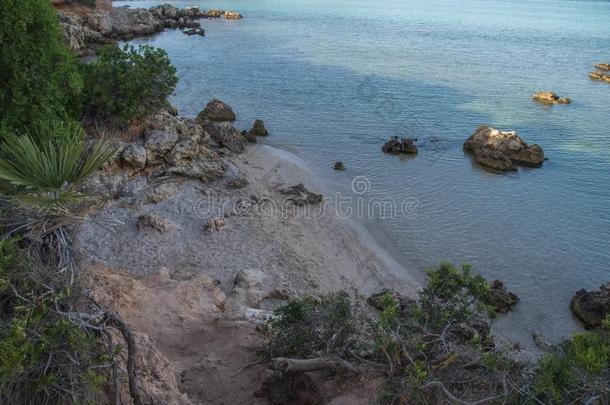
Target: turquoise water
(334, 79)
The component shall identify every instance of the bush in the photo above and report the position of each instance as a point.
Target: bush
(310, 327)
(39, 77)
(128, 83)
(47, 358)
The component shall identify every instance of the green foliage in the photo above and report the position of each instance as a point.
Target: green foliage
(39, 77)
(44, 168)
(128, 83)
(305, 327)
(46, 357)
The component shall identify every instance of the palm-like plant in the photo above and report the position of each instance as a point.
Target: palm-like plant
(44, 169)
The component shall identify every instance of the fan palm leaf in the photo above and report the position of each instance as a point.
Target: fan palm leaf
(44, 169)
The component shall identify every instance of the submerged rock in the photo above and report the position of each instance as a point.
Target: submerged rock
(502, 151)
(217, 111)
(548, 97)
(339, 166)
(400, 146)
(603, 66)
(300, 196)
(592, 307)
(501, 299)
(604, 77)
(195, 31)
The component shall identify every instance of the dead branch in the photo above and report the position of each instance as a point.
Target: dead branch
(131, 356)
(287, 365)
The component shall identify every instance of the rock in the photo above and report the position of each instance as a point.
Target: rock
(501, 299)
(300, 196)
(289, 388)
(155, 222)
(213, 13)
(592, 307)
(157, 143)
(134, 155)
(248, 136)
(258, 129)
(548, 97)
(215, 224)
(376, 300)
(237, 183)
(502, 151)
(604, 77)
(339, 166)
(226, 136)
(217, 111)
(195, 31)
(205, 170)
(232, 15)
(603, 66)
(400, 146)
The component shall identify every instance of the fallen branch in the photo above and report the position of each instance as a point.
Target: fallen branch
(287, 365)
(131, 356)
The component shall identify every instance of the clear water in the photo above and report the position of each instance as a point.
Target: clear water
(334, 79)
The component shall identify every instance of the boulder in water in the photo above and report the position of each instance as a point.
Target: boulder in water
(502, 150)
(548, 97)
(592, 307)
(217, 111)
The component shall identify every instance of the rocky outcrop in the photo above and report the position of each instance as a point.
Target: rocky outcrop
(592, 307)
(300, 196)
(400, 146)
(84, 31)
(548, 97)
(216, 111)
(502, 151)
(226, 136)
(501, 299)
(604, 77)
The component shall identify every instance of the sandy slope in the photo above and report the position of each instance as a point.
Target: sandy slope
(200, 294)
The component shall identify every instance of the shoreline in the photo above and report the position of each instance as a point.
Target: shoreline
(183, 288)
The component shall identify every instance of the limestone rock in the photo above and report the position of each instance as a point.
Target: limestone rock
(232, 15)
(501, 299)
(548, 97)
(217, 111)
(134, 155)
(592, 307)
(502, 151)
(300, 196)
(226, 136)
(155, 222)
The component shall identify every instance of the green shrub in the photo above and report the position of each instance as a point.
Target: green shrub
(306, 327)
(128, 83)
(39, 77)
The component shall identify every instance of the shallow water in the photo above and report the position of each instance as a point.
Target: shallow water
(333, 80)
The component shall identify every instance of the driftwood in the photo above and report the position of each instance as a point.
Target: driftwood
(287, 365)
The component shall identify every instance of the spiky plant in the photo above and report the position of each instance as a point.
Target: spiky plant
(43, 170)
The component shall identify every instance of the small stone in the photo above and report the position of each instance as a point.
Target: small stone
(215, 224)
(339, 166)
(155, 222)
(134, 155)
(258, 129)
